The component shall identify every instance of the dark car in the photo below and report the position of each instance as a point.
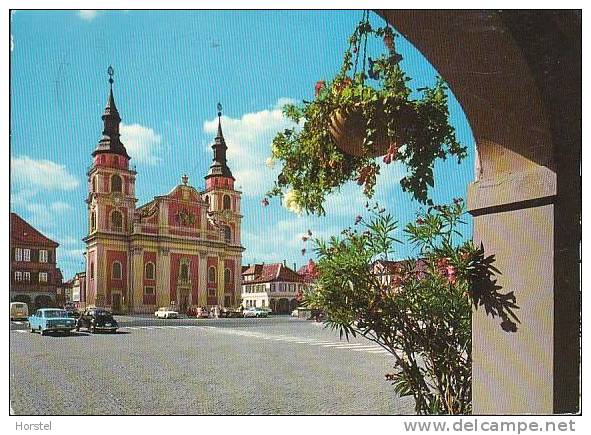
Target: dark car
(97, 319)
(72, 313)
(229, 312)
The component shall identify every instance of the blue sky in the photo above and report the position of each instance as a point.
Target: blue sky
(171, 68)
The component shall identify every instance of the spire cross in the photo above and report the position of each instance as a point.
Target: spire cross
(111, 72)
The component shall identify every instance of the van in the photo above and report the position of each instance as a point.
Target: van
(19, 311)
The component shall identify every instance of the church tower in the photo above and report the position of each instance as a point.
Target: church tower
(224, 211)
(111, 205)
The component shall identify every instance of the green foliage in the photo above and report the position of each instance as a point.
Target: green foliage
(419, 309)
(418, 130)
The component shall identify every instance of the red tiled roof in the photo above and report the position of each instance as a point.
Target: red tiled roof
(22, 233)
(272, 272)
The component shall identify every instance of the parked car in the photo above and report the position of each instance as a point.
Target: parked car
(255, 312)
(72, 312)
(19, 311)
(50, 320)
(198, 312)
(166, 313)
(97, 319)
(231, 312)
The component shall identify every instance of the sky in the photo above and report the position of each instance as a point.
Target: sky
(171, 69)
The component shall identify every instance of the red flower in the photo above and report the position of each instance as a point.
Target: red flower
(319, 85)
(389, 41)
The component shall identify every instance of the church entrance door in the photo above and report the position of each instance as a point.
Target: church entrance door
(184, 299)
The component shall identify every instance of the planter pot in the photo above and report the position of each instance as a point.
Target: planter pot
(347, 127)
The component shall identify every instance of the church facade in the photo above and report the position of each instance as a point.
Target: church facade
(182, 248)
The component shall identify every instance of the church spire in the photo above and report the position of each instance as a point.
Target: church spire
(219, 167)
(110, 141)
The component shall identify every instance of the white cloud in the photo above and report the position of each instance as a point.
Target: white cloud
(42, 174)
(142, 143)
(249, 145)
(87, 14)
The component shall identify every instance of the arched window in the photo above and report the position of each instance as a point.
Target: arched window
(92, 220)
(116, 270)
(227, 275)
(227, 234)
(211, 274)
(94, 183)
(91, 270)
(116, 183)
(150, 272)
(184, 271)
(226, 202)
(117, 220)
(207, 199)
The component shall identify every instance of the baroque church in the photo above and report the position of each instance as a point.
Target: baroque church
(180, 249)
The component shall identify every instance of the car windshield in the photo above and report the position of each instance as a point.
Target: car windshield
(103, 314)
(56, 313)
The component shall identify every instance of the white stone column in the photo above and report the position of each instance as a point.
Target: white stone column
(163, 278)
(202, 290)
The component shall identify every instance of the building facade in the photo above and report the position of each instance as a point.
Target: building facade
(182, 248)
(78, 290)
(34, 275)
(274, 286)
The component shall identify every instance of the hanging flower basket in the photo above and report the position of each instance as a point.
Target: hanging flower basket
(367, 110)
(347, 127)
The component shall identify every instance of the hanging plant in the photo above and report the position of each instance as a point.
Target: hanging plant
(366, 111)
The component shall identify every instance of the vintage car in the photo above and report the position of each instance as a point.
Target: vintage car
(230, 312)
(19, 311)
(97, 319)
(198, 312)
(166, 313)
(51, 320)
(255, 312)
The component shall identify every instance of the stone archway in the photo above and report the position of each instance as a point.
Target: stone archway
(522, 97)
(43, 301)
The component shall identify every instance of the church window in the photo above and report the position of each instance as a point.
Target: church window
(116, 183)
(211, 274)
(91, 270)
(227, 275)
(226, 201)
(117, 220)
(92, 220)
(184, 272)
(94, 183)
(150, 270)
(116, 270)
(227, 234)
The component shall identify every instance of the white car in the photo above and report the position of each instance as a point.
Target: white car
(166, 313)
(255, 312)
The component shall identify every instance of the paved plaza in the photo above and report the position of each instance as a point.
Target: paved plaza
(278, 365)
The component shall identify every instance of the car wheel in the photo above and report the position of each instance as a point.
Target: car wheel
(42, 331)
(93, 329)
(31, 328)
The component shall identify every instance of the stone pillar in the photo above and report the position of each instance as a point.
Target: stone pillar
(220, 281)
(237, 281)
(101, 276)
(163, 278)
(514, 219)
(202, 289)
(136, 300)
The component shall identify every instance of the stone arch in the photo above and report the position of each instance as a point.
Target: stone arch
(43, 301)
(522, 98)
(226, 202)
